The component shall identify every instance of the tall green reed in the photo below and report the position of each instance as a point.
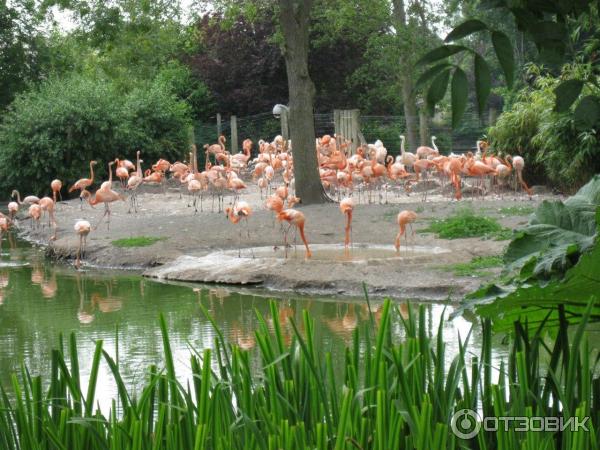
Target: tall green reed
(390, 393)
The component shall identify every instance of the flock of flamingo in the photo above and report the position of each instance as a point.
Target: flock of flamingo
(344, 176)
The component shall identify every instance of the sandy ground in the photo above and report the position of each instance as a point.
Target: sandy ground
(203, 247)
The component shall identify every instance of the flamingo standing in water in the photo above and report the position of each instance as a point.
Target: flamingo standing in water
(296, 218)
(404, 218)
(347, 206)
(82, 228)
(241, 210)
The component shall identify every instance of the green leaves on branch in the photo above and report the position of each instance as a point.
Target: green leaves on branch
(441, 53)
(482, 74)
(504, 53)
(459, 95)
(465, 29)
(483, 81)
(437, 89)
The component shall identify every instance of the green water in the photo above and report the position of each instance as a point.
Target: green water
(39, 300)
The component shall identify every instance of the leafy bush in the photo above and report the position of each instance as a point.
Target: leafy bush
(55, 130)
(551, 143)
(557, 234)
(552, 264)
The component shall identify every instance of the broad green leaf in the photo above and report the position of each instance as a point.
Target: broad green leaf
(587, 112)
(557, 234)
(534, 302)
(566, 94)
(465, 29)
(437, 89)
(504, 53)
(431, 72)
(483, 82)
(440, 53)
(459, 94)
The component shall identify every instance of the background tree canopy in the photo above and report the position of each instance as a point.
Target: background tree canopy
(54, 131)
(363, 54)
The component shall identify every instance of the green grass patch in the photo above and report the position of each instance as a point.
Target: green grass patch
(475, 266)
(517, 210)
(465, 224)
(138, 241)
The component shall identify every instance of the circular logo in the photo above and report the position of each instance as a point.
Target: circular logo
(465, 423)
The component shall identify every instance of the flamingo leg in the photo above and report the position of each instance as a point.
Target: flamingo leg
(303, 237)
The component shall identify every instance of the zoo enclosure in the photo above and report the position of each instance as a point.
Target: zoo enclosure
(386, 128)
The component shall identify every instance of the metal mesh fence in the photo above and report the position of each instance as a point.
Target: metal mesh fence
(386, 128)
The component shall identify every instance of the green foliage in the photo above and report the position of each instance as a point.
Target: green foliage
(55, 130)
(138, 241)
(557, 234)
(475, 266)
(557, 258)
(464, 224)
(551, 143)
(386, 395)
(537, 302)
(23, 50)
(562, 31)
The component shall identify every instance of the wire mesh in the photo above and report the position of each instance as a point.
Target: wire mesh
(386, 128)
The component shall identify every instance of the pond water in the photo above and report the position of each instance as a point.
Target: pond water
(39, 300)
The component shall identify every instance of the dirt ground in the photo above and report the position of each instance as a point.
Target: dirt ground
(203, 247)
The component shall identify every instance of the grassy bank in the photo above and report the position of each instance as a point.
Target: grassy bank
(388, 395)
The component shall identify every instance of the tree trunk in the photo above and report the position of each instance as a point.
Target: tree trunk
(408, 88)
(294, 19)
(423, 126)
(410, 111)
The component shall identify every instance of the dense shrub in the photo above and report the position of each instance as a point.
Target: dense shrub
(56, 129)
(553, 147)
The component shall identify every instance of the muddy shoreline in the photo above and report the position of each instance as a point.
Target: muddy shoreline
(203, 247)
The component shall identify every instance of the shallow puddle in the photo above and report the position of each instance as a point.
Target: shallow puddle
(337, 252)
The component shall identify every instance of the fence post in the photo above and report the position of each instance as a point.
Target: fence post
(219, 129)
(423, 126)
(354, 130)
(234, 136)
(285, 126)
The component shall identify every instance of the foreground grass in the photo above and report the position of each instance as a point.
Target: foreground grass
(475, 266)
(138, 241)
(387, 395)
(466, 224)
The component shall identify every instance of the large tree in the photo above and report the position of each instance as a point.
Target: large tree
(22, 49)
(293, 20)
(294, 17)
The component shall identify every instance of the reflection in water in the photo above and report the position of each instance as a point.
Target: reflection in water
(49, 286)
(94, 304)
